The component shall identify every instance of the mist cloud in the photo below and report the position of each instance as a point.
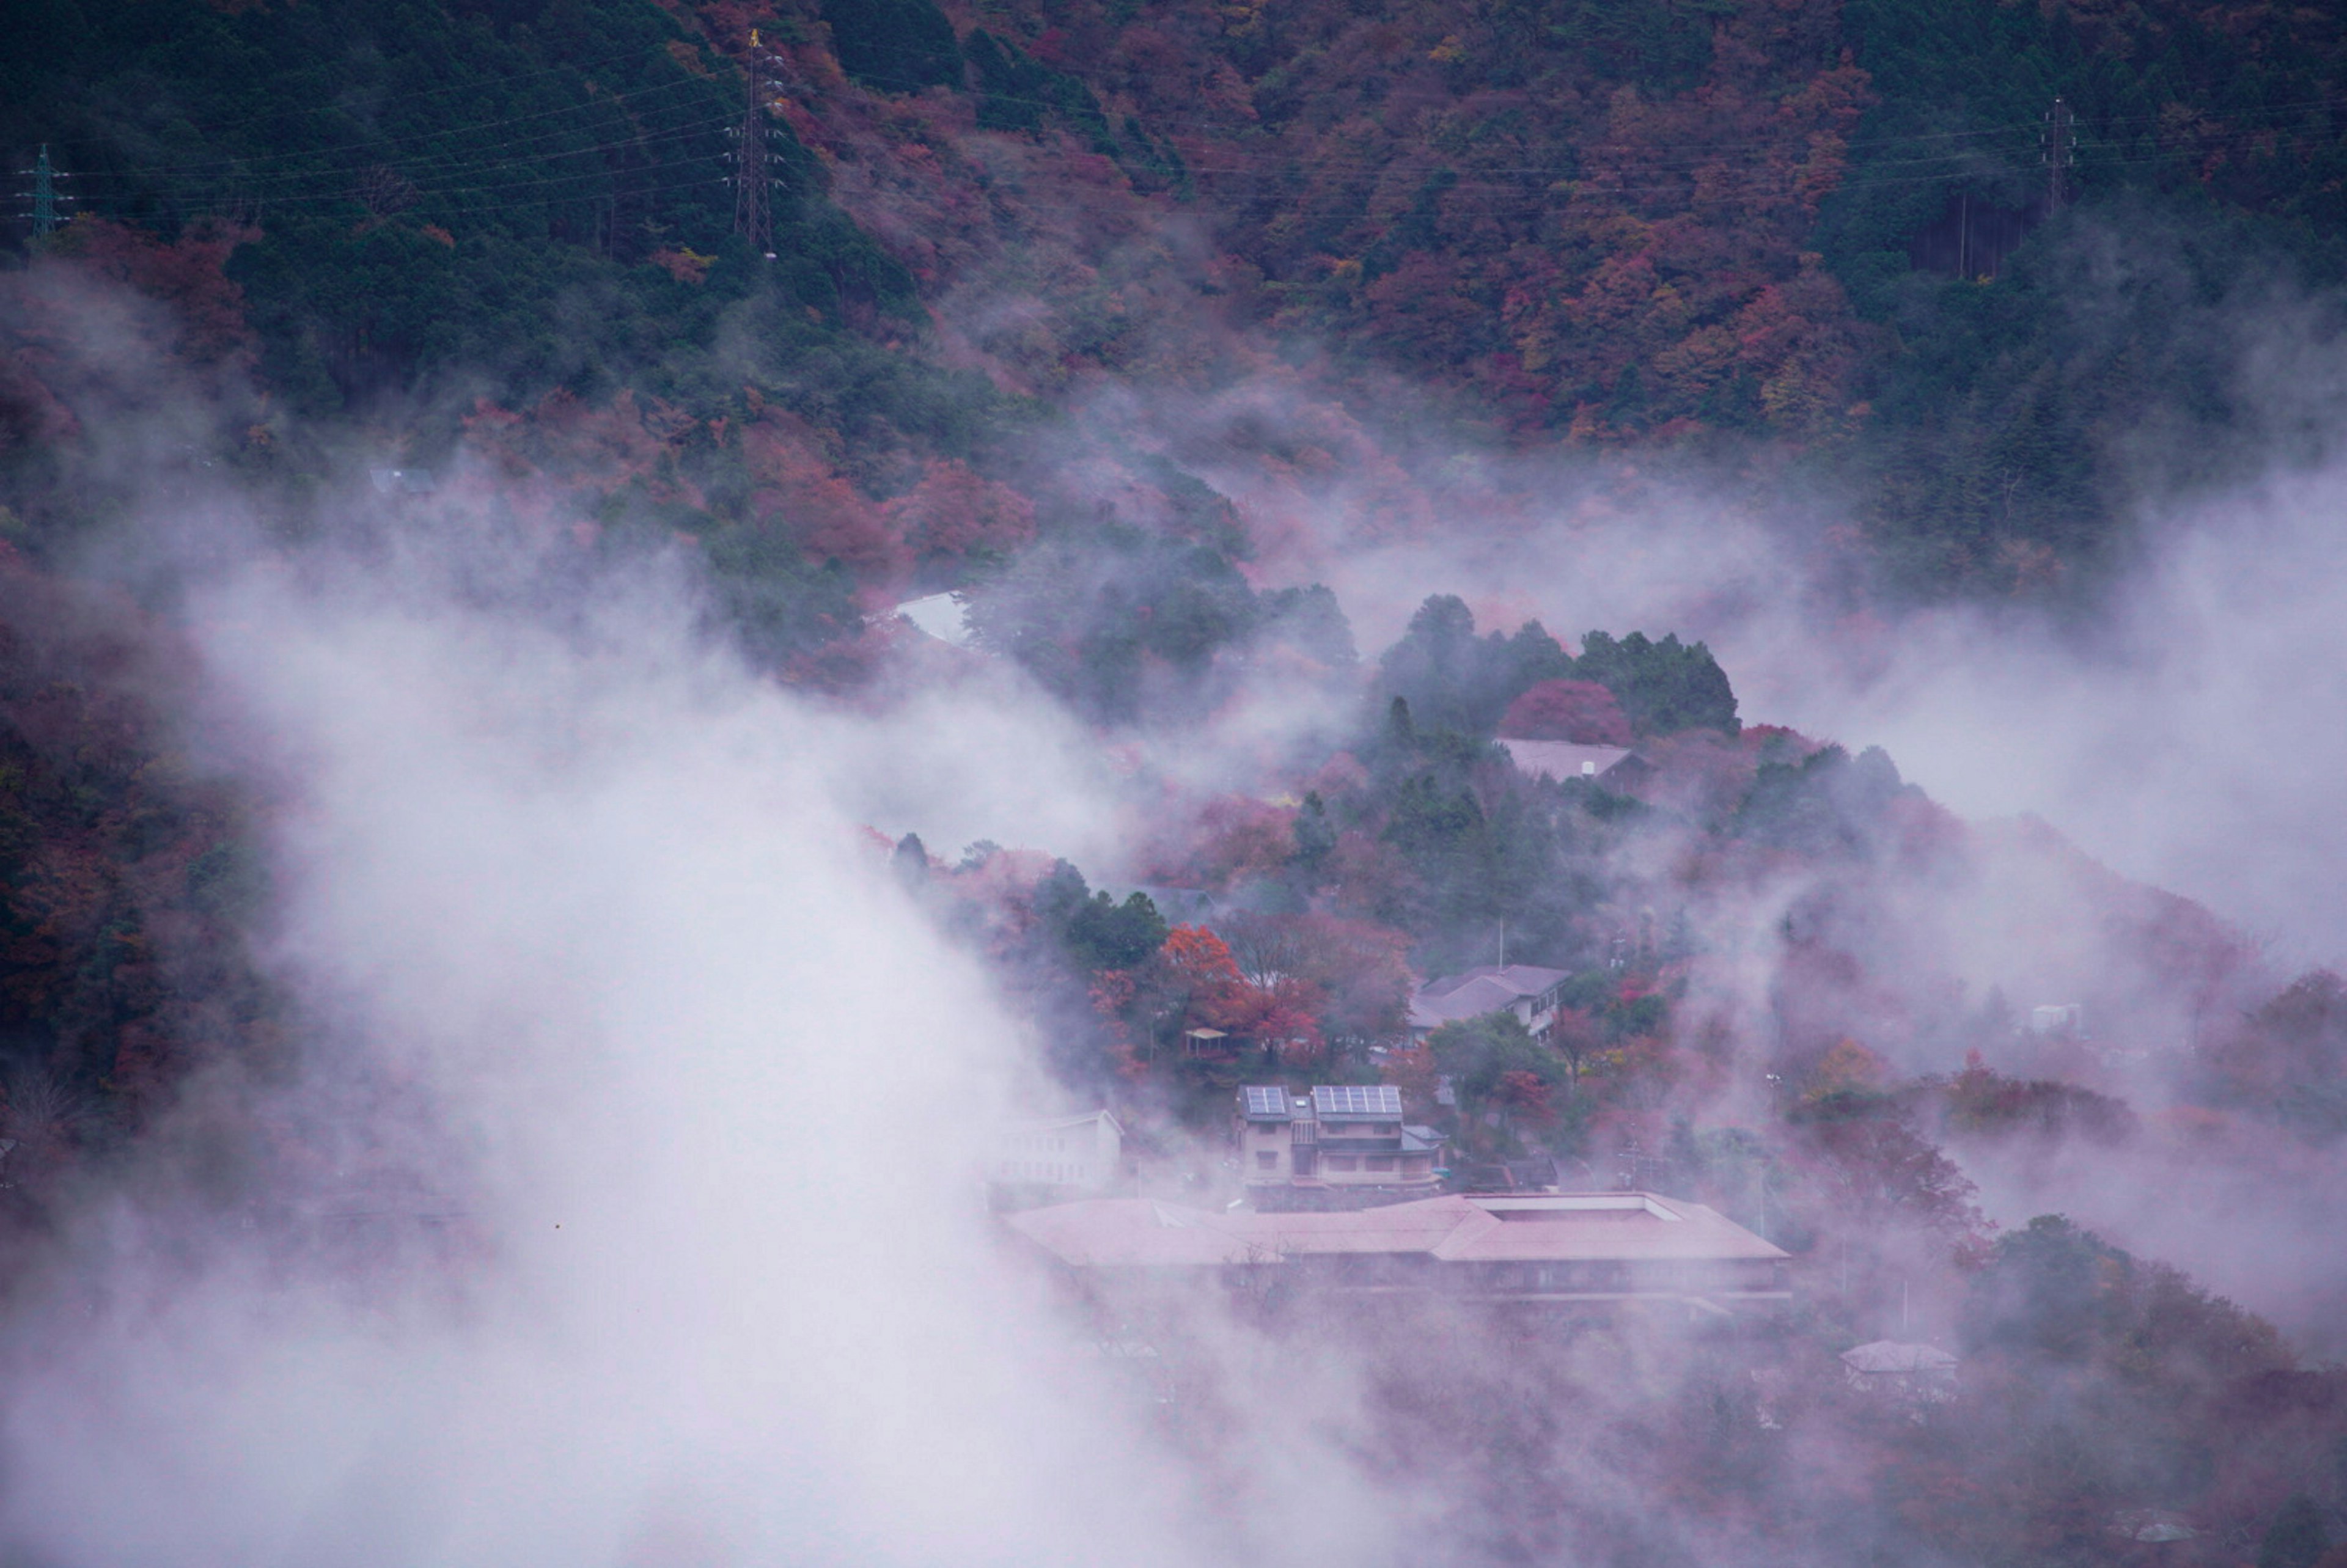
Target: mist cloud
(703, 1090)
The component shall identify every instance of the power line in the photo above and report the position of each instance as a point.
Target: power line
(1725, 173)
(1224, 128)
(242, 166)
(331, 188)
(508, 82)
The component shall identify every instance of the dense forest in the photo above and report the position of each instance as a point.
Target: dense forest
(1846, 237)
(1122, 320)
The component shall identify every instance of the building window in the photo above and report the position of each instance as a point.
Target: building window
(1267, 1160)
(1343, 1163)
(1381, 1161)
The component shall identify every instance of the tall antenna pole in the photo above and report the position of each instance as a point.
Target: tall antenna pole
(753, 216)
(45, 195)
(2060, 151)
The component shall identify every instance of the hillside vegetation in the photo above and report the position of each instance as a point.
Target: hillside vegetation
(1727, 230)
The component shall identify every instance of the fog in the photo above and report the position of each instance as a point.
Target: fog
(2182, 725)
(653, 1233)
(2194, 743)
(704, 1093)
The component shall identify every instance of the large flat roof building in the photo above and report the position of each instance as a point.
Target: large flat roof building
(1563, 1249)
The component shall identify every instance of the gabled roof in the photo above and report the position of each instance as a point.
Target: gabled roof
(1473, 993)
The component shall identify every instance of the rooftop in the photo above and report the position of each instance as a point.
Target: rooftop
(1148, 1234)
(1487, 988)
(1355, 1102)
(1333, 1103)
(1053, 1123)
(1563, 759)
(1266, 1103)
(1891, 1355)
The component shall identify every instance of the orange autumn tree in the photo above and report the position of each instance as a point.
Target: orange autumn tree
(1205, 988)
(1201, 980)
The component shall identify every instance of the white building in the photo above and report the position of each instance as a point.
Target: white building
(2067, 1020)
(1082, 1152)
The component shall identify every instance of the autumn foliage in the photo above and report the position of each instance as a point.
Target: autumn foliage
(1582, 711)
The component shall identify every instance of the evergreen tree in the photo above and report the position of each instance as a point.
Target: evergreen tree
(2296, 1538)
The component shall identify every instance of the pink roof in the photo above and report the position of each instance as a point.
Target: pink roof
(1630, 1228)
(1131, 1233)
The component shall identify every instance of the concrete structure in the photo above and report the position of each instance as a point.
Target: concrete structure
(1922, 1373)
(1526, 991)
(2065, 1020)
(2158, 1526)
(1081, 1151)
(944, 615)
(1563, 1250)
(1343, 1142)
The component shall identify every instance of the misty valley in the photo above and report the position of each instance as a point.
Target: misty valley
(950, 781)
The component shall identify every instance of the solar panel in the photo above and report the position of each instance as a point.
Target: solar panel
(1356, 1100)
(1267, 1101)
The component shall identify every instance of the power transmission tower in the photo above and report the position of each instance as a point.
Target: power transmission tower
(754, 215)
(45, 196)
(2061, 150)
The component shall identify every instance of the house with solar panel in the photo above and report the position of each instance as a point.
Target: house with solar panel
(1343, 1145)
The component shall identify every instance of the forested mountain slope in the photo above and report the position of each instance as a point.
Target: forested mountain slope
(1131, 322)
(1102, 309)
(1727, 230)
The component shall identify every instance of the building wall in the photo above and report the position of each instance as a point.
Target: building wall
(1268, 1157)
(1266, 1151)
(1086, 1153)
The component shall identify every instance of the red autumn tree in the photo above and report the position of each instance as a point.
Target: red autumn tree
(1202, 980)
(1284, 1017)
(955, 512)
(1351, 975)
(189, 276)
(1526, 1095)
(797, 485)
(1582, 711)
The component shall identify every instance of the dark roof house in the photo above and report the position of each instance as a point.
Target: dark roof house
(1525, 990)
